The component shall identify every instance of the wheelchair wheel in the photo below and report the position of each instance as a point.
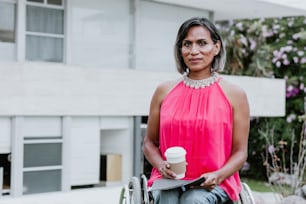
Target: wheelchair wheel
(145, 195)
(134, 188)
(246, 196)
(124, 195)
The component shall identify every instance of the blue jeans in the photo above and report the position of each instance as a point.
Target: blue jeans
(191, 196)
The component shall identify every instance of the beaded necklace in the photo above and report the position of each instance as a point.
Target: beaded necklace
(201, 83)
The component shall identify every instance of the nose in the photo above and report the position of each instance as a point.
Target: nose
(194, 49)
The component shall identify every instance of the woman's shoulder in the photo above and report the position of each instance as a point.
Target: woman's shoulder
(231, 87)
(165, 87)
(232, 91)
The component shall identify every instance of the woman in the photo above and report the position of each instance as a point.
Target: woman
(203, 113)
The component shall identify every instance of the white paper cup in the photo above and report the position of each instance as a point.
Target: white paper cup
(176, 157)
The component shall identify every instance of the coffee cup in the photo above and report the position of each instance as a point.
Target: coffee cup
(176, 157)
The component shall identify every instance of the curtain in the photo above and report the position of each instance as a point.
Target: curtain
(45, 21)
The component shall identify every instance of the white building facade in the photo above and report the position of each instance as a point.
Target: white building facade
(76, 82)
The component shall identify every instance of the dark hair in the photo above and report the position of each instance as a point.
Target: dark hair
(219, 60)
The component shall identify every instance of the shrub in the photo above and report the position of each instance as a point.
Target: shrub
(273, 48)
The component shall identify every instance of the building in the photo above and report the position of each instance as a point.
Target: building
(76, 81)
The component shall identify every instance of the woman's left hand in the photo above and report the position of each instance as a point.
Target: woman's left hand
(211, 180)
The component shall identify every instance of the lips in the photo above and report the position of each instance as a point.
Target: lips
(195, 60)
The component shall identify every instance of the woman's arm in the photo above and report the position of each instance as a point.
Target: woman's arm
(151, 139)
(241, 126)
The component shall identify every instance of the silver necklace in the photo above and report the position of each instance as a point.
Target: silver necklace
(201, 83)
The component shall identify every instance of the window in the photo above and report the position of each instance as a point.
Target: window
(42, 155)
(45, 30)
(54, 2)
(7, 30)
(7, 22)
(42, 165)
(42, 181)
(39, 1)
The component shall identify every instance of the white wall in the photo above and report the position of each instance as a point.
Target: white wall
(266, 96)
(56, 89)
(98, 33)
(157, 25)
(9, 54)
(84, 155)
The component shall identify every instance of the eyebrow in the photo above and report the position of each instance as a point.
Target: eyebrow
(196, 39)
(201, 39)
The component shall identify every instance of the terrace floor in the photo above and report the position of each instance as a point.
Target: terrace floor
(99, 195)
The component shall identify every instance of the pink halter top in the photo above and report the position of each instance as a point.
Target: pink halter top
(201, 121)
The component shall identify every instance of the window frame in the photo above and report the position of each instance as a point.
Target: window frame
(46, 35)
(7, 47)
(54, 134)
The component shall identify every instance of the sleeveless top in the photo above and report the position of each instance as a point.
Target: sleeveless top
(201, 121)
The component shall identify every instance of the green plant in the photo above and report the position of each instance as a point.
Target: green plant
(274, 48)
(275, 161)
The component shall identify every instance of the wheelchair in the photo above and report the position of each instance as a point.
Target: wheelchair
(137, 192)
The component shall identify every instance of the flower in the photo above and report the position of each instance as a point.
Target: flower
(286, 48)
(295, 60)
(300, 53)
(271, 149)
(239, 25)
(277, 56)
(253, 44)
(243, 40)
(292, 91)
(267, 33)
(245, 167)
(286, 62)
(296, 36)
(291, 117)
(275, 28)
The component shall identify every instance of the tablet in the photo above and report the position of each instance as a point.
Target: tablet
(167, 184)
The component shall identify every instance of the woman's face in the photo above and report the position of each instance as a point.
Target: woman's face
(198, 49)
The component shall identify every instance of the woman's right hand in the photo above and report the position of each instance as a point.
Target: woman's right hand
(165, 171)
